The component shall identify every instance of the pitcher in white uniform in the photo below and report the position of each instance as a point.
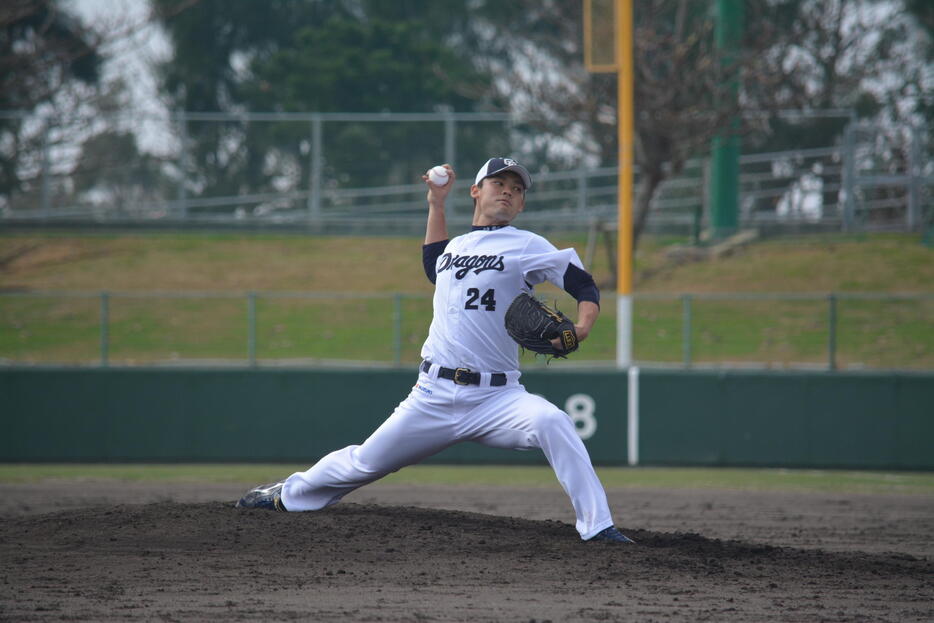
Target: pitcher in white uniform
(468, 382)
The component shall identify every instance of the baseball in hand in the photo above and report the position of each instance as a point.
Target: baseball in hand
(438, 175)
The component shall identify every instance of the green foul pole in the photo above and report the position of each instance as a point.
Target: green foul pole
(724, 166)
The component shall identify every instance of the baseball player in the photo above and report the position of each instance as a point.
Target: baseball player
(468, 382)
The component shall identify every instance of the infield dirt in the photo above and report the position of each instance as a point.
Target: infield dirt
(108, 550)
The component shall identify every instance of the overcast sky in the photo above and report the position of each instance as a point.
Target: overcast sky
(132, 47)
(132, 44)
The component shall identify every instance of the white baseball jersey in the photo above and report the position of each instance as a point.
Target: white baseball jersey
(476, 275)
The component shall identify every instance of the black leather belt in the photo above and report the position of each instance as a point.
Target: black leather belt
(463, 376)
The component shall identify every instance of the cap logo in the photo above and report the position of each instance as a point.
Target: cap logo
(509, 162)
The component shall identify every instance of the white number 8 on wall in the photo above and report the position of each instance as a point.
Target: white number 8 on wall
(581, 408)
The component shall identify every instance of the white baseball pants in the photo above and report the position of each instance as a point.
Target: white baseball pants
(439, 413)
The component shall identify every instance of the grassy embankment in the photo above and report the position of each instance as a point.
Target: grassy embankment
(143, 328)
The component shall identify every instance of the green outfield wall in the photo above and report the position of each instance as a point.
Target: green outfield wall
(735, 418)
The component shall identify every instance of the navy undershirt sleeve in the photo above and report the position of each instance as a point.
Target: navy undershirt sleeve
(430, 253)
(579, 284)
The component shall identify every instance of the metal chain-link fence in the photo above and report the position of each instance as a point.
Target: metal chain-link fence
(807, 331)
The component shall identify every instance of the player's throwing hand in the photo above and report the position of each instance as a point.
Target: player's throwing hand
(438, 185)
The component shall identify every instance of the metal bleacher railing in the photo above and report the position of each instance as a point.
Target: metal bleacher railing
(868, 181)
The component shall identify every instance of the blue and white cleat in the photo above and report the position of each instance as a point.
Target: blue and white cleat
(611, 535)
(268, 497)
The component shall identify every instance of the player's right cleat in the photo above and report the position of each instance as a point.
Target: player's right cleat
(611, 535)
(268, 497)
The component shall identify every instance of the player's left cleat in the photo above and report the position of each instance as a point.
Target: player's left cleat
(611, 535)
(268, 497)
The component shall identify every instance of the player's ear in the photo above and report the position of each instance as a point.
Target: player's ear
(474, 191)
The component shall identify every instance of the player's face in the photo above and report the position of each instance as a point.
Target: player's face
(499, 199)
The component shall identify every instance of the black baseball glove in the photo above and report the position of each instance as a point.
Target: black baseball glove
(533, 325)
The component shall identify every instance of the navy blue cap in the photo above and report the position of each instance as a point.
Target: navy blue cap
(495, 166)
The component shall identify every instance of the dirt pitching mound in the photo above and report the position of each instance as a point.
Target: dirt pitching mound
(367, 562)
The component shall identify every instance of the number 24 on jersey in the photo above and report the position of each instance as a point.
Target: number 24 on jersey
(487, 301)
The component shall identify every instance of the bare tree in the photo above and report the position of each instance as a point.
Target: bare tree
(683, 93)
(794, 54)
(682, 98)
(43, 49)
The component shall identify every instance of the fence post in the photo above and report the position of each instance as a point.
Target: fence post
(686, 312)
(593, 231)
(849, 175)
(696, 225)
(314, 178)
(450, 140)
(251, 327)
(182, 191)
(582, 179)
(705, 202)
(397, 328)
(45, 188)
(914, 180)
(831, 331)
(105, 329)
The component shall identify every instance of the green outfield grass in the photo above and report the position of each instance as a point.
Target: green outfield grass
(910, 483)
(59, 329)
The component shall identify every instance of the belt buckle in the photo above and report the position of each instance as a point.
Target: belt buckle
(457, 376)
